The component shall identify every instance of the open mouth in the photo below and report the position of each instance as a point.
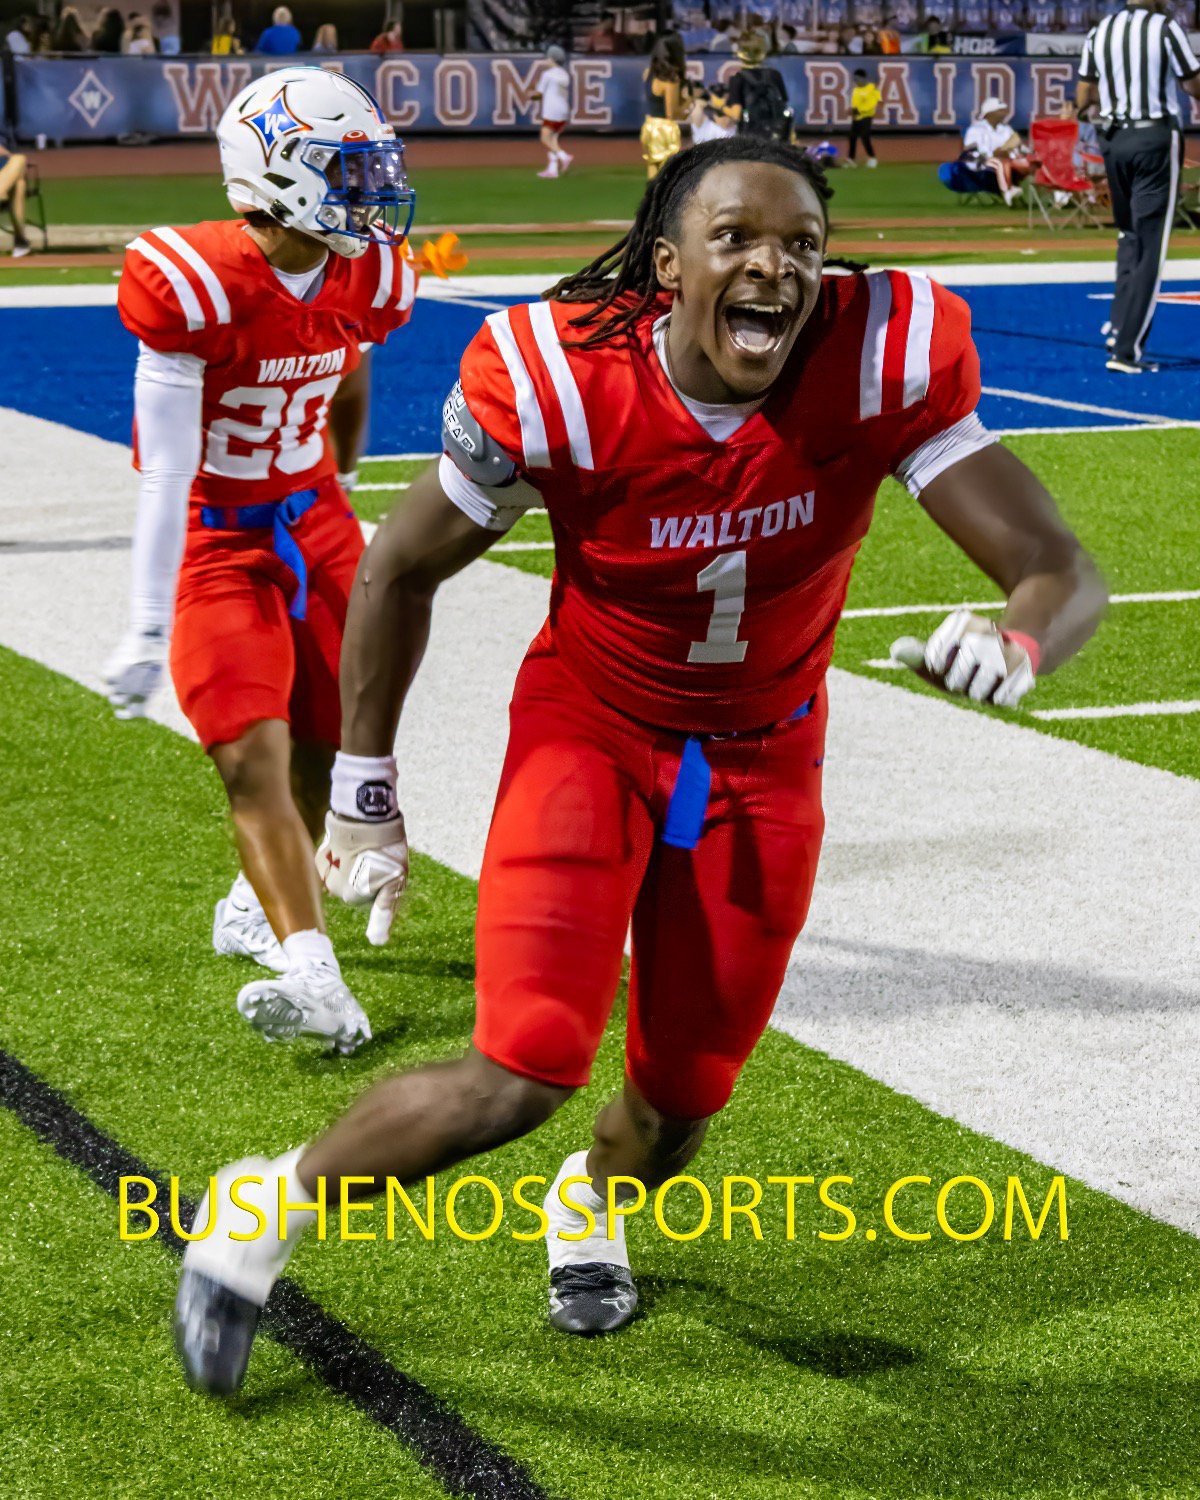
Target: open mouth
(758, 328)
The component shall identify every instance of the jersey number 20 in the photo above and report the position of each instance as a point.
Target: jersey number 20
(275, 440)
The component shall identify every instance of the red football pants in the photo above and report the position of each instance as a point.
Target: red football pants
(573, 857)
(237, 656)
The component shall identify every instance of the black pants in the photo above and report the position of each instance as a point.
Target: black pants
(1143, 176)
(860, 130)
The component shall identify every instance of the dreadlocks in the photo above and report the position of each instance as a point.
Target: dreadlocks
(622, 281)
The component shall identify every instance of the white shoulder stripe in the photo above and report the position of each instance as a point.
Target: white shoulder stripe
(188, 300)
(386, 261)
(870, 383)
(207, 275)
(544, 331)
(529, 413)
(408, 286)
(920, 338)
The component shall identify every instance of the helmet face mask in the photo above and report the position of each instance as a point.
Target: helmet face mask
(312, 149)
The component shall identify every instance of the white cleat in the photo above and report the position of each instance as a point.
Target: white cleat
(564, 161)
(241, 932)
(309, 1000)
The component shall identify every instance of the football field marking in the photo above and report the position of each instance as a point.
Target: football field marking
(996, 931)
(1143, 417)
(888, 611)
(1119, 710)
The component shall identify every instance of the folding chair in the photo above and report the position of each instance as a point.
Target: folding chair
(1054, 142)
(970, 185)
(35, 206)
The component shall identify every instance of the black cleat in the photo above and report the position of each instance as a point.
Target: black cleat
(591, 1298)
(214, 1333)
(1123, 366)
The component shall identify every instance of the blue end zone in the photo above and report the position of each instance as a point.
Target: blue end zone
(75, 365)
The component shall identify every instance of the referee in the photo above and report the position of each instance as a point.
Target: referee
(1129, 66)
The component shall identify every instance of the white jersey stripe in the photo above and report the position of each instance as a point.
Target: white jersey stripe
(567, 391)
(920, 337)
(408, 286)
(182, 288)
(386, 262)
(207, 275)
(529, 413)
(870, 388)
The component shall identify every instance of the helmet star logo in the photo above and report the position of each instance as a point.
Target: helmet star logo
(275, 121)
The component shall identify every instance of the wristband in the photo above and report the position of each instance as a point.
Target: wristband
(348, 480)
(364, 787)
(1027, 644)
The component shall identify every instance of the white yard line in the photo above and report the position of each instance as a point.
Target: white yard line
(400, 485)
(889, 611)
(396, 458)
(1099, 411)
(1120, 710)
(997, 927)
(1138, 426)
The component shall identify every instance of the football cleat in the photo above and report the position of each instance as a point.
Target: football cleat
(1130, 366)
(244, 932)
(226, 1282)
(592, 1298)
(309, 1000)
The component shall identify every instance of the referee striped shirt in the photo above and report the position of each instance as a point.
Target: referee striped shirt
(1134, 57)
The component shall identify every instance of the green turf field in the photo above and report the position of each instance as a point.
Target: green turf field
(769, 1369)
(902, 208)
(774, 1369)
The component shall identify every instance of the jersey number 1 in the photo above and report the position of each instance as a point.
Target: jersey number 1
(725, 579)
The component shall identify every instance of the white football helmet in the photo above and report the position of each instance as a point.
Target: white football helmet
(312, 149)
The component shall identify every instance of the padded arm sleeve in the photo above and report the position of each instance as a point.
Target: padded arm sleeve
(168, 391)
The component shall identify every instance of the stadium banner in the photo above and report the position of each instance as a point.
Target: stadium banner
(93, 98)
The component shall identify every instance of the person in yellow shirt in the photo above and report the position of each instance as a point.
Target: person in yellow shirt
(865, 99)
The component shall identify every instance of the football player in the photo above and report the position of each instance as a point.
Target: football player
(707, 417)
(251, 333)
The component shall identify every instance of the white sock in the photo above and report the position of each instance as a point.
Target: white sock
(242, 894)
(597, 1246)
(309, 947)
(251, 1267)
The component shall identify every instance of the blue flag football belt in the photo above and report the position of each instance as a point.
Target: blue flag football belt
(278, 517)
(688, 807)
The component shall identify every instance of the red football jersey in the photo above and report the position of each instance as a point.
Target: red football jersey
(271, 362)
(698, 584)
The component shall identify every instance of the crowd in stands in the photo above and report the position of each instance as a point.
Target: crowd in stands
(136, 34)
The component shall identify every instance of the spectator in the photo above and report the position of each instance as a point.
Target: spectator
(281, 38)
(225, 41)
(935, 39)
(887, 38)
(12, 188)
(757, 95)
(724, 39)
(141, 40)
(110, 29)
(665, 104)
(604, 39)
(708, 119)
(17, 40)
(865, 100)
(391, 40)
(326, 39)
(991, 144)
(164, 23)
(68, 35)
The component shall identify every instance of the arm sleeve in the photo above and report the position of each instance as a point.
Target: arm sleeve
(1184, 62)
(168, 392)
(1087, 60)
(943, 428)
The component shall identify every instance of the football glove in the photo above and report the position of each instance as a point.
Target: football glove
(972, 657)
(133, 672)
(366, 864)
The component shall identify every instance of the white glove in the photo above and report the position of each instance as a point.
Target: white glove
(968, 655)
(348, 480)
(134, 670)
(366, 864)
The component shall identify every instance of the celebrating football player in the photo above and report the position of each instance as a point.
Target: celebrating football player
(706, 417)
(251, 334)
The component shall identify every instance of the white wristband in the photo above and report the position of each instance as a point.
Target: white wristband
(348, 480)
(364, 787)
